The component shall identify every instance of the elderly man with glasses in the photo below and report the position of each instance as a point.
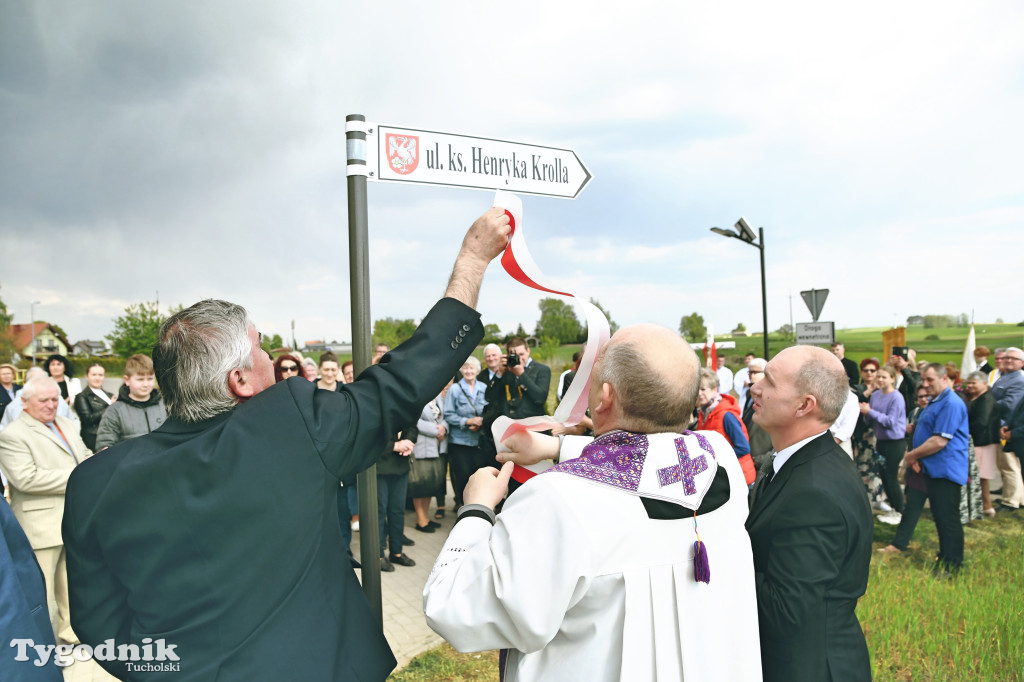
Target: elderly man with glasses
(1008, 390)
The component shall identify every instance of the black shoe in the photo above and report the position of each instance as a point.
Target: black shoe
(433, 524)
(429, 528)
(399, 559)
(406, 542)
(1005, 508)
(385, 565)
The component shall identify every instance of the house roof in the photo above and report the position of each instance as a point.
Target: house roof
(22, 334)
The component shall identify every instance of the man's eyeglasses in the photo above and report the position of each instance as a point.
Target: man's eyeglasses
(289, 368)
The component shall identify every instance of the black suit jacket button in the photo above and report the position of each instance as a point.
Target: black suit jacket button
(466, 327)
(455, 345)
(462, 334)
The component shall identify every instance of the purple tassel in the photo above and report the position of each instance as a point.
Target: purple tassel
(701, 570)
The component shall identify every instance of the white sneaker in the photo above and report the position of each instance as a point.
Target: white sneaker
(355, 526)
(891, 518)
(883, 506)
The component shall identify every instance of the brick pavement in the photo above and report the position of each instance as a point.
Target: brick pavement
(405, 626)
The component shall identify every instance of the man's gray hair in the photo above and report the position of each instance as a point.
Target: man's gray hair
(494, 346)
(651, 402)
(938, 368)
(196, 351)
(36, 383)
(1017, 352)
(980, 377)
(760, 362)
(829, 386)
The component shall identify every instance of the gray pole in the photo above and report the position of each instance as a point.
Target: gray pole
(359, 291)
(764, 293)
(32, 322)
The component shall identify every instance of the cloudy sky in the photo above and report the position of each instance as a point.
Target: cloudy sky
(198, 150)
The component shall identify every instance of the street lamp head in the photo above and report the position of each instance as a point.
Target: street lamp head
(725, 233)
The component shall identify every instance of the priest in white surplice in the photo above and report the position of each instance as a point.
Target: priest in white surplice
(626, 561)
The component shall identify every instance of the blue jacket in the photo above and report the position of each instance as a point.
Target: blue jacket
(945, 416)
(461, 404)
(23, 612)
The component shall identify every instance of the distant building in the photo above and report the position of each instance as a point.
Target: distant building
(915, 319)
(318, 346)
(47, 340)
(95, 349)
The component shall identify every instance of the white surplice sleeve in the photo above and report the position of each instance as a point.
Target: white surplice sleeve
(488, 592)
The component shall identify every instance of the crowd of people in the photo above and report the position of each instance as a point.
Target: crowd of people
(220, 531)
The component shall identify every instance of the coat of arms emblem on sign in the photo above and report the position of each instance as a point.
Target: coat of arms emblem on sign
(403, 153)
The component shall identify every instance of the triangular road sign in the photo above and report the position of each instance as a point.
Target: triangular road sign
(815, 300)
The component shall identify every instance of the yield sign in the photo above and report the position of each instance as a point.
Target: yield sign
(815, 300)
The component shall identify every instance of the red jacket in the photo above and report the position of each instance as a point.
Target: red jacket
(713, 422)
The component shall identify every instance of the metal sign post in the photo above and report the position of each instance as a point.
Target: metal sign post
(359, 295)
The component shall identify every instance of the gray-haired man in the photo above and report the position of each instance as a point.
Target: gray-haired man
(174, 536)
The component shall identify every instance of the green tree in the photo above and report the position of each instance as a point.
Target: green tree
(271, 342)
(392, 331)
(137, 330)
(557, 321)
(492, 333)
(6, 341)
(740, 327)
(786, 331)
(692, 328)
(612, 324)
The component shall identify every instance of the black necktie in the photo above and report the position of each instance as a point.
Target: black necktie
(764, 478)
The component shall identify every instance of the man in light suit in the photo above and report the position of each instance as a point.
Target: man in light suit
(38, 452)
(810, 525)
(172, 535)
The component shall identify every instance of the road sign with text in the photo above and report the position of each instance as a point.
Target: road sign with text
(815, 333)
(429, 157)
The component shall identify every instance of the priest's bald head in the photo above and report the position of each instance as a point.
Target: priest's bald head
(802, 393)
(645, 381)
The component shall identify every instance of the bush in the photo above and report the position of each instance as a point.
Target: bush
(932, 337)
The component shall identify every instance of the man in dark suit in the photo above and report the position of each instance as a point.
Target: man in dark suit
(217, 534)
(522, 389)
(810, 526)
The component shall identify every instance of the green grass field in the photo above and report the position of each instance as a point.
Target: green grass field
(918, 628)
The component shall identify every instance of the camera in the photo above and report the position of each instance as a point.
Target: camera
(512, 360)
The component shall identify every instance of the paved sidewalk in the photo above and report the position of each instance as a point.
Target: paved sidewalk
(402, 591)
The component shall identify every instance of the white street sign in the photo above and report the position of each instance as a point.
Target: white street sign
(815, 333)
(429, 157)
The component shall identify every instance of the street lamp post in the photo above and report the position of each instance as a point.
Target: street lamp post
(32, 314)
(745, 234)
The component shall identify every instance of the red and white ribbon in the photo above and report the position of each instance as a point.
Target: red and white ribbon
(518, 263)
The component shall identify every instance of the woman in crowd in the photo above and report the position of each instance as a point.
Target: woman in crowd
(347, 368)
(462, 410)
(720, 412)
(984, 427)
(8, 389)
(886, 414)
(60, 370)
(427, 473)
(286, 367)
(309, 369)
(916, 490)
(91, 403)
(954, 376)
(329, 372)
(864, 438)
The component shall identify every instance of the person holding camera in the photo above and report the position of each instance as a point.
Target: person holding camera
(524, 382)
